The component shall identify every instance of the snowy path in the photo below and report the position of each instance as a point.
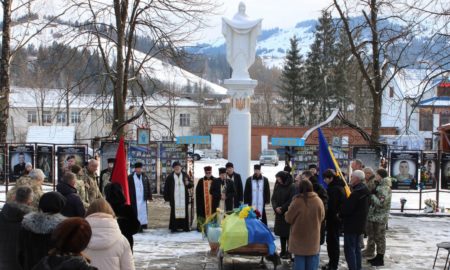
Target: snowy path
(411, 245)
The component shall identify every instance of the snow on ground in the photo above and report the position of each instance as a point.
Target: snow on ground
(411, 244)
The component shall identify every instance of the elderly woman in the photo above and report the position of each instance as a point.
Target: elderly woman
(34, 180)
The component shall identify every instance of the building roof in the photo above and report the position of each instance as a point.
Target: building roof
(51, 134)
(21, 97)
(435, 102)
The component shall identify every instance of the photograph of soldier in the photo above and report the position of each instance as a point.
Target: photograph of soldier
(445, 170)
(44, 157)
(404, 170)
(69, 156)
(428, 171)
(19, 156)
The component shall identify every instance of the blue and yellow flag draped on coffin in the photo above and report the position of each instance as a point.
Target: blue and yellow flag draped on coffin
(242, 228)
(328, 161)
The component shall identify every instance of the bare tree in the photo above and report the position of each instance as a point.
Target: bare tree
(8, 51)
(167, 23)
(380, 48)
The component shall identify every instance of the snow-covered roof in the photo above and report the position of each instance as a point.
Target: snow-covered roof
(412, 83)
(51, 134)
(21, 97)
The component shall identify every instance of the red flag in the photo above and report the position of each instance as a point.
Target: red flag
(119, 173)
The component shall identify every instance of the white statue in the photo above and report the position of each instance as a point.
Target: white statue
(240, 34)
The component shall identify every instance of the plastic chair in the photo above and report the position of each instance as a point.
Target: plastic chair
(445, 245)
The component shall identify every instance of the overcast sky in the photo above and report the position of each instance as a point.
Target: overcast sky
(275, 13)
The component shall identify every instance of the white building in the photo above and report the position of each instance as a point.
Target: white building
(416, 106)
(170, 115)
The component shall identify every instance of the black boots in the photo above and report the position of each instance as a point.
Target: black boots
(377, 261)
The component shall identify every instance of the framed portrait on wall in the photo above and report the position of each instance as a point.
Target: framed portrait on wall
(143, 136)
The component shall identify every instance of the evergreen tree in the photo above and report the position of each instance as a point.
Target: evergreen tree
(320, 91)
(291, 87)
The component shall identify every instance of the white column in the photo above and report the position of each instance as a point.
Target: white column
(240, 124)
(240, 33)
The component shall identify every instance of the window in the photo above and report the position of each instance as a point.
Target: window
(391, 91)
(428, 144)
(75, 117)
(32, 117)
(185, 120)
(46, 117)
(426, 120)
(61, 117)
(108, 117)
(444, 118)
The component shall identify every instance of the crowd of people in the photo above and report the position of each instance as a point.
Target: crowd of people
(87, 223)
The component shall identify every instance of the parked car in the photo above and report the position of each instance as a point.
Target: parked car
(196, 155)
(269, 157)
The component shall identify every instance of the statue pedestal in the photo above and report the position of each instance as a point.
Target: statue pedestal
(240, 124)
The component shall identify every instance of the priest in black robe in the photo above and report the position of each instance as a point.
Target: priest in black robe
(236, 178)
(223, 192)
(176, 192)
(203, 198)
(257, 192)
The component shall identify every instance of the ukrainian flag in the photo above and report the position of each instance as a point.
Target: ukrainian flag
(328, 161)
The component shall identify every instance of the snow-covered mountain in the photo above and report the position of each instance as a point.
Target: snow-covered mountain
(41, 30)
(272, 44)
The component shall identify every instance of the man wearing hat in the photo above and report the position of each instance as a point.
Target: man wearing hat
(257, 192)
(176, 192)
(236, 179)
(105, 175)
(203, 198)
(223, 192)
(140, 193)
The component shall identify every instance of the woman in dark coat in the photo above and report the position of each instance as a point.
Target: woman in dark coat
(37, 227)
(283, 193)
(70, 238)
(126, 218)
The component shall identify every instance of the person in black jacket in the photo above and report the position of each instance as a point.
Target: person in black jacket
(223, 192)
(283, 193)
(322, 192)
(203, 198)
(126, 218)
(336, 198)
(74, 206)
(236, 178)
(140, 193)
(354, 213)
(35, 234)
(175, 190)
(259, 185)
(70, 238)
(11, 218)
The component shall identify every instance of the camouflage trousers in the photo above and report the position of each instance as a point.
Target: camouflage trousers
(376, 233)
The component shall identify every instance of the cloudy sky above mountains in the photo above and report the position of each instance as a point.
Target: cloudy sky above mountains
(275, 13)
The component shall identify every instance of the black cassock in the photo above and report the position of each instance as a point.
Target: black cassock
(200, 199)
(248, 194)
(169, 196)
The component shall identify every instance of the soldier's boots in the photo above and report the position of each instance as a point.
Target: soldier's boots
(377, 261)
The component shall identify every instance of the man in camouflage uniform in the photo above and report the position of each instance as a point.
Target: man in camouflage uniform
(380, 205)
(34, 180)
(370, 183)
(79, 185)
(90, 181)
